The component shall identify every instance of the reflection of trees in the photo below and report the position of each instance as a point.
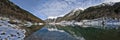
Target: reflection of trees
(91, 33)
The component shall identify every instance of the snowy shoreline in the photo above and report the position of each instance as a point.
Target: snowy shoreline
(10, 29)
(99, 21)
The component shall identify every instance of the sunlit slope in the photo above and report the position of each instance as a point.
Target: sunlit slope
(10, 10)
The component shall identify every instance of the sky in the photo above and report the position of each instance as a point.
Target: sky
(56, 8)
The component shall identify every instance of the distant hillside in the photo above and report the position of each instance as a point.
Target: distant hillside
(9, 9)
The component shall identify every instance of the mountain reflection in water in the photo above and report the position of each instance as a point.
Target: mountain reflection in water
(57, 32)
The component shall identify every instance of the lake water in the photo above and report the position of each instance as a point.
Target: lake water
(62, 32)
(72, 32)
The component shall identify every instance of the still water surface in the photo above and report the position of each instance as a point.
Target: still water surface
(57, 32)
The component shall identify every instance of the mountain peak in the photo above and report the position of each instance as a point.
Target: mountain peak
(76, 9)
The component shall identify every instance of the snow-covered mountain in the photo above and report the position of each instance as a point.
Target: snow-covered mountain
(98, 11)
(70, 16)
(93, 15)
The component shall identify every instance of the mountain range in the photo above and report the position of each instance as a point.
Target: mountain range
(104, 10)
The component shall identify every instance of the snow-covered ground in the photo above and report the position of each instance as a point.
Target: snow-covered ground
(10, 29)
(63, 23)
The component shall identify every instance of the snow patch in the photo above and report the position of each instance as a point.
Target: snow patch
(10, 31)
(108, 3)
(10, 28)
(78, 9)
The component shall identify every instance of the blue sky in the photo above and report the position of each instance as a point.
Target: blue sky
(53, 8)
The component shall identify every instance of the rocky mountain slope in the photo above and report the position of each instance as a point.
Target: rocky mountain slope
(110, 10)
(12, 11)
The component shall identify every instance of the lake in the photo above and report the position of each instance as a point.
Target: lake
(74, 32)
(62, 32)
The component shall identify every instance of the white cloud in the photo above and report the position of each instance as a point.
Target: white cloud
(112, 1)
(54, 8)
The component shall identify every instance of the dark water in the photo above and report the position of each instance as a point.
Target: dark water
(50, 32)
